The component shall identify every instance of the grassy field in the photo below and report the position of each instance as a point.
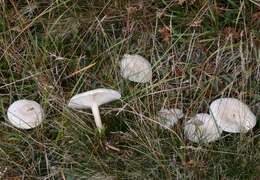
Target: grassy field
(200, 50)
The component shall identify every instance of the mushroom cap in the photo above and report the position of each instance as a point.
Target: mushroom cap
(232, 115)
(98, 96)
(170, 116)
(25, 114)
(136, 68)
(202, 128)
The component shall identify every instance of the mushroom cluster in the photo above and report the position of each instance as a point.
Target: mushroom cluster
(225, 114)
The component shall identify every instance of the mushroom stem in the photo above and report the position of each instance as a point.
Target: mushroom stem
(96, 115)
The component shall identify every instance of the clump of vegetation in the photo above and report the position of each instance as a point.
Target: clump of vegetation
(199, 50)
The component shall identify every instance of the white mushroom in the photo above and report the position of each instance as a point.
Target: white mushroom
(202, 128)
(93, 99)
(169, 117)
(136, 68)
(25, 114)
(232, 115)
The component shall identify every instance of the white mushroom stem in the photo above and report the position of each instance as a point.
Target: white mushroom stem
(96, 115)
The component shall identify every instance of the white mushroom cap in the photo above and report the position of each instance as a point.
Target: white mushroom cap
(98, 96)
(136, 68)
(25, 114)
(170, 117)
(92, 99)
(232, 115)
(202, 128)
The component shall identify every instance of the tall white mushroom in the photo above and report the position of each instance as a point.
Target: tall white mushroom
(202, 128)
(232, 115)
(92, 100)
(25, 114)
(136, 68)
(169, 117)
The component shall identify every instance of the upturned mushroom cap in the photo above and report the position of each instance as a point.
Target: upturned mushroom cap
(232, 115)
(25, 114)
(98, 96)
(136, 68)
(202, 128)
(170, 117)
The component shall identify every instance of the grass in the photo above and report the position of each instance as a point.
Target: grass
(200, 50)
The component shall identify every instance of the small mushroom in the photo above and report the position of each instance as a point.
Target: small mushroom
(169, 117)
(232, 115)
(93, 99)
(25, 114)
(202, 128)
(136, 68)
